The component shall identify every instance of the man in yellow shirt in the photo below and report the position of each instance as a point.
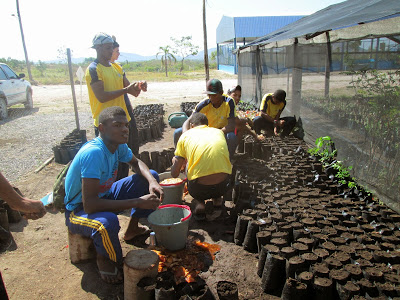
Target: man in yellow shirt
(272, 105)
(107, 84)
(205, 151)
(220, 111)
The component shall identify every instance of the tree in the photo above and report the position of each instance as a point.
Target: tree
(62, 56)
(184, 48)
(41, 66)
(214, 55)
(166, 57)
(206, 66)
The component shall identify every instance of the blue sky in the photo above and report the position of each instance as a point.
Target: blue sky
(140, 26)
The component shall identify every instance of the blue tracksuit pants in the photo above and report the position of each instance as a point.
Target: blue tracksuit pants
(103, 227)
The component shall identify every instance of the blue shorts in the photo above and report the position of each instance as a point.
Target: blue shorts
(103, 227)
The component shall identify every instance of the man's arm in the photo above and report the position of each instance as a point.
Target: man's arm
(92, 203)
(105, 96)
(267, 117)
(141, 84)
(186, 124)
(34, 209)
(230, 127)
(177, 164)
(141, 168)
(126, 81)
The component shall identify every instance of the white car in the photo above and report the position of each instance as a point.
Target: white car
(13, 90)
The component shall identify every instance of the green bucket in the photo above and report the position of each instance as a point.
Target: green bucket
(171, 225)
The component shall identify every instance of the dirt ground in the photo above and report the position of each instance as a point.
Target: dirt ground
(37, 266)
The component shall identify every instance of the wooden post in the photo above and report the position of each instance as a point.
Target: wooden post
(328, 64)
(28, 66)
(206, 66)
(258, 76)
(137, 265)
(71, 80)
(81, 248)
(296, 78)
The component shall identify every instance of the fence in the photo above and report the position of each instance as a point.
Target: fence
(348, 90)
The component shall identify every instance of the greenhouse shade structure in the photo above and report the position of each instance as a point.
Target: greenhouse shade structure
(235, 31)
(327, 63)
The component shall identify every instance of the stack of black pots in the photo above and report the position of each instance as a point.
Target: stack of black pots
(165, 287)
(150, 121)
(158, 160)
(69, 146)
(188, 107)
(314, 237)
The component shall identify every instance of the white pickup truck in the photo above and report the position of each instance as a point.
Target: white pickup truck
(13, 90)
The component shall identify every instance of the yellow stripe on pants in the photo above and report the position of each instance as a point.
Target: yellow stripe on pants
(100, 228)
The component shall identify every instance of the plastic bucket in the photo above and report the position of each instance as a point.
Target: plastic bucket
(172, 192)
(171, 224)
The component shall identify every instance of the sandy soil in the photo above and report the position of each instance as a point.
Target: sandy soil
(37, 266)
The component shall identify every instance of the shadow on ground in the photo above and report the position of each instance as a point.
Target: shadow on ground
(18, 112)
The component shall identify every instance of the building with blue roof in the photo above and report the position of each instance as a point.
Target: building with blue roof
(233, 32)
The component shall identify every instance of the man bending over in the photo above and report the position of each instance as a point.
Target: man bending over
(208, 166)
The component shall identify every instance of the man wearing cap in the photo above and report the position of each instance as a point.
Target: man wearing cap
(220, 112)
(107, 84)
(272, 105)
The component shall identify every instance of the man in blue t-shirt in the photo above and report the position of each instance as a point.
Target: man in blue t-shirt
(93, 198)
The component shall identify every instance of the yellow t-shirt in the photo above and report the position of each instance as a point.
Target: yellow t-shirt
(113, 79)
(217, 117)
(270, 108)
(205, 150)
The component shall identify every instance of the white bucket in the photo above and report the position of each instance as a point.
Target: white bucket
(172, 192)
(171, 224)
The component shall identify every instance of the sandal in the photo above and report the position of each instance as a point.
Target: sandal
(199, 214)
(114, 274)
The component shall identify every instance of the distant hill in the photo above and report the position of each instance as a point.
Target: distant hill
(200, 55)
(137, 57)
(134, 57)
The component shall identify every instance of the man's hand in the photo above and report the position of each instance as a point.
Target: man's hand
(155, 188)
(150, 201)
(143, 85)
(33, 209)
(134, 89)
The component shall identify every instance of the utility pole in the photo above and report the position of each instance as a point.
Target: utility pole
(206, 66)
(28, 66)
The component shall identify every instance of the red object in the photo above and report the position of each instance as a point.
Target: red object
(180, 206)
(173, 184)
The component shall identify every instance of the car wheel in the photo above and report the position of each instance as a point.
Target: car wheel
(29, 101)
(3, 109)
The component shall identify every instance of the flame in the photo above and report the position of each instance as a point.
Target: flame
(212, 248)
(186, 264)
